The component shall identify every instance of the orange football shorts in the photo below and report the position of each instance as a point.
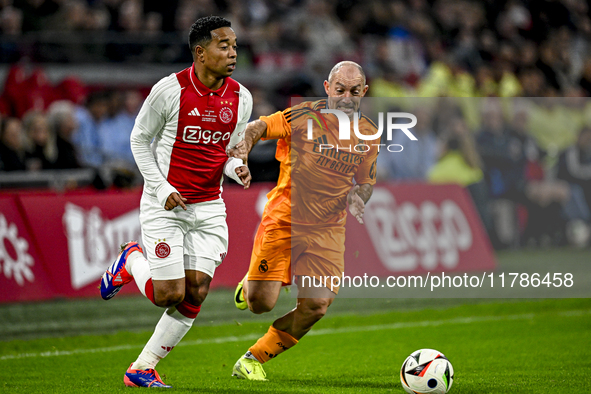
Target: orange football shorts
(315, 250)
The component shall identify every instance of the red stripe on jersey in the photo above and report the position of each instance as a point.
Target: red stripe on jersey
(206, 121)
(425, 369)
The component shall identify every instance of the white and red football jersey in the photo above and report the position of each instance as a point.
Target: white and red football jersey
(181, 133)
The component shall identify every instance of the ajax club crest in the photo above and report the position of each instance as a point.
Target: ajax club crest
(226, 115)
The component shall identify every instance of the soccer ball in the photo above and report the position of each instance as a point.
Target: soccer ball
(426, 371)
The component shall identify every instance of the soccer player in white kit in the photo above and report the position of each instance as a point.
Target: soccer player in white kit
(180, 141)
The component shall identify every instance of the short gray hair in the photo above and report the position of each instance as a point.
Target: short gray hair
(57, 112)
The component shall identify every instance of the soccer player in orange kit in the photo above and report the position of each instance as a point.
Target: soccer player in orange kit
(302, 231)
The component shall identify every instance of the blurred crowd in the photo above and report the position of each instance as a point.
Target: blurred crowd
(526, 163)
(409, 47)
(65, 127)
(526, 189)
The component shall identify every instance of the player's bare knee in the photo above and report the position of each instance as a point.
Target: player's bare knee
(169, 292)
(259, 305)
(196, 286)
(197, 294)
(169, 298)
(259, 308)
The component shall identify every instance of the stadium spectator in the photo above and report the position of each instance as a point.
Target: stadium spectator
(37, 13)
(460, 163)
(12, 150)
(61, 120)
(114, 132)
(72, 16)
(417, 158)
(514, 172)
(543, 198)
(574, 167)
(500, 155)
(533, 83)
(388, 83)
(11, 20)
(86, 138)
(540, 187)
(42, 149)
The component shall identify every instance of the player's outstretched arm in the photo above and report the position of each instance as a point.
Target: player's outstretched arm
(357, 197)
(255, 130)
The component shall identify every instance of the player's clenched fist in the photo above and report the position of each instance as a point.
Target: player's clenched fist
(174, 200)
(244, 174)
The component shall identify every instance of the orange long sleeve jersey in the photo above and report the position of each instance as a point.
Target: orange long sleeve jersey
(314, 178)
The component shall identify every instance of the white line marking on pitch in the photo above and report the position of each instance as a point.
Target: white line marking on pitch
(322, 331)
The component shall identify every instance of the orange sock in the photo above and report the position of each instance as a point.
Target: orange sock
(273, 343)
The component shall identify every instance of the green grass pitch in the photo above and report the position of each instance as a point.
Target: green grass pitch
(495, 347)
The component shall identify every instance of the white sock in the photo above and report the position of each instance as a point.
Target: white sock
(169, 331)
(131, 259)
(138, 267)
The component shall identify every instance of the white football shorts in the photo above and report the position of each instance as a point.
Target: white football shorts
(179, 240)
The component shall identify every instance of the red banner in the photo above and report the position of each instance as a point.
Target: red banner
(22, 275)
(78, 235)
(59, 245)
(415, 228)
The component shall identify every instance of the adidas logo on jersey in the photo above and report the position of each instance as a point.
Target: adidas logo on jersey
(194, 112)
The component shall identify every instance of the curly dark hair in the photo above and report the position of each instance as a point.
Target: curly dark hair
(200, 33)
